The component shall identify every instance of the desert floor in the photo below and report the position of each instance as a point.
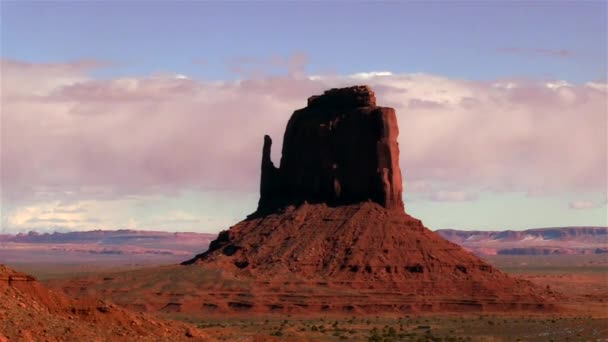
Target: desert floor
(580, 280)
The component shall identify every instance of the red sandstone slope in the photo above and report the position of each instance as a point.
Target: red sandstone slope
(341, 153)
(362, 246)
(30, 312)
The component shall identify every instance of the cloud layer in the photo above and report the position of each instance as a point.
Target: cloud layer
(67, 136)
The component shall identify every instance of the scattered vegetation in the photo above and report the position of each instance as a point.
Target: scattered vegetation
(430, 328)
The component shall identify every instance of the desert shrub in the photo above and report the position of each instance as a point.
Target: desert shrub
(375, 337)
(277, 333)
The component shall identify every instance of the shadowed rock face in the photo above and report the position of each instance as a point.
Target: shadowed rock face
(341, 149)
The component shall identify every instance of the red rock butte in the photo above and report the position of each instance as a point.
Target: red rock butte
(332, 213)
(340, 149)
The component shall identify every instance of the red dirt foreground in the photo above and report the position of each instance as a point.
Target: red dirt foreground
(30, 312)
(331, 216)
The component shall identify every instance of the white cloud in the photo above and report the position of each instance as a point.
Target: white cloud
(69, 136)
(584, 204)
(597, 85)
(557, 84)
(372, 74)
(505, 85)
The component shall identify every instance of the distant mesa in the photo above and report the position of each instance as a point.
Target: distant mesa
(332, 213)
(538, 241)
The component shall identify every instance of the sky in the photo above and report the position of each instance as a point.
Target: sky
(151, 115)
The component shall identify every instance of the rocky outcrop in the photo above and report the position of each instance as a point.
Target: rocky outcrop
(340, 149)
(8, 275)
(31, 312)
(332, 214)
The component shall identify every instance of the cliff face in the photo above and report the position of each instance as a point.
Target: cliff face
(340, 149)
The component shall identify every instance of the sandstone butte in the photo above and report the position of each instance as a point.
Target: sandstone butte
(332, 214)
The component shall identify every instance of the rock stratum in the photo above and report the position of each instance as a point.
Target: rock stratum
(331, 214)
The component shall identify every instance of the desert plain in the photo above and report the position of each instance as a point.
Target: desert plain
(580, 283)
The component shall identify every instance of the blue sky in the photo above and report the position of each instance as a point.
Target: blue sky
(149, 114)
(465, 39)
